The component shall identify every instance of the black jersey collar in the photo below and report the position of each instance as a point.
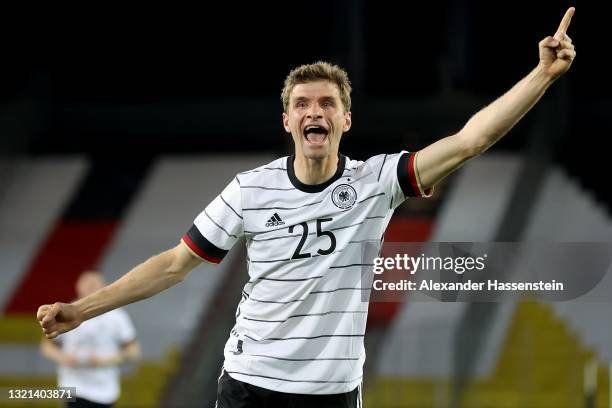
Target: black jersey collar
(314, 188)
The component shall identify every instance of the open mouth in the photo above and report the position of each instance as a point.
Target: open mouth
(315, 134)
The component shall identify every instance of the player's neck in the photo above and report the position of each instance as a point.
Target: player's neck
(310, 171)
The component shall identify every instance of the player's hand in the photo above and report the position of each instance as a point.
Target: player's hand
(557, 52)
(95, 361)
(58, 318)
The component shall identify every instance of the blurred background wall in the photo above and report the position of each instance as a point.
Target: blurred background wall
(119, 124)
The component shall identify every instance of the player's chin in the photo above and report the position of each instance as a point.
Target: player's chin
(316, 153)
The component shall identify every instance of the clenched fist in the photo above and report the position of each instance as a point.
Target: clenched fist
(58, 318)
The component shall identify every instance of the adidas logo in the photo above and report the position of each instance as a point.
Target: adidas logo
(275, 221)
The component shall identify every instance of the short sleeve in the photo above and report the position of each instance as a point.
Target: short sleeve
(124, 329)
(408, 176)
(398, 173)
(216, 229)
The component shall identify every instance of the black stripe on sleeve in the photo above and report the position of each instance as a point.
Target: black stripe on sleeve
(408, 178)
(382, 167)
(231, 208)
(219, 226)
(403, 177)
(203, 247)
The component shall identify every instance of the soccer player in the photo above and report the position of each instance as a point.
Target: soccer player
(89, 356)
(298, 338)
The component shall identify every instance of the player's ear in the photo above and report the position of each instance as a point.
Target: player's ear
(286, 123)
(348, 121)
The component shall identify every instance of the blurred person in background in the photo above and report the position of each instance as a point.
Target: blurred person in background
(89, 357)
(298, 338)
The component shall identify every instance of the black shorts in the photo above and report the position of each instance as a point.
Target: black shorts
(232, 393)
(85, 403)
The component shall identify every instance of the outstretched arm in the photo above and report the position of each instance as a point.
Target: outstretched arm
(441, 158)
(145, 280)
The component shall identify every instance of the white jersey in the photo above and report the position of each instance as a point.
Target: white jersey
(301, 322)
(102, 336)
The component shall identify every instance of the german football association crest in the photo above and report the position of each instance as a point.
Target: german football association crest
(344, 196)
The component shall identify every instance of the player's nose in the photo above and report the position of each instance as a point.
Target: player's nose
(315, 112)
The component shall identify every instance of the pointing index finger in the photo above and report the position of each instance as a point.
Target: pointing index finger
(567, 18)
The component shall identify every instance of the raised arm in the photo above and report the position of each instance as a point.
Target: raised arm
(145, 280)
(441, 158)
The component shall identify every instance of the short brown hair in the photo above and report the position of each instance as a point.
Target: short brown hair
(319, 71)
